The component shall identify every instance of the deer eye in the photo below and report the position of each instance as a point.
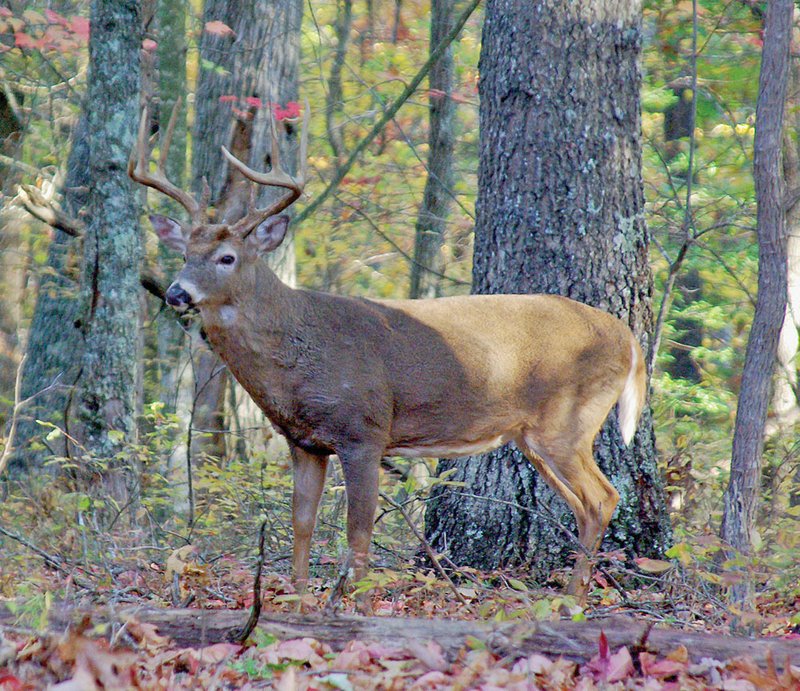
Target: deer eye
(226, 259)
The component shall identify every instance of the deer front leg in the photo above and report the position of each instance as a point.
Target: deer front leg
(361, 473)
(309, 480)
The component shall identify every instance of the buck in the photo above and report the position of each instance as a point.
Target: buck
(364, 379)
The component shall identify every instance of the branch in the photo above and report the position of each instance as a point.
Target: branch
(19, 404)
(38, 206)
(428, 549)
(342, 171)
(54, 561)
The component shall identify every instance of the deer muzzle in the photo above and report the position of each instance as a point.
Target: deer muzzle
(178, 298)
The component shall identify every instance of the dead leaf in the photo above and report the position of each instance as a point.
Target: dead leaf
(652, 565)
(218, 28)
(429, 655)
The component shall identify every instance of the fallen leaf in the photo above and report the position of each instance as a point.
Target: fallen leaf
(652, 565)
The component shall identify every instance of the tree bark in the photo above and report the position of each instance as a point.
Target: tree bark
(259, 60)
(742, 493)
(427, 267)
(112, 246)
(784, 396)
(560, 210)
(57, 310)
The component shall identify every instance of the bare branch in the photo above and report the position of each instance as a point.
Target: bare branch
(38, 206)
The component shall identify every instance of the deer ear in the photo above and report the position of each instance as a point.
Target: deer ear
(270, 234)
(170, 232)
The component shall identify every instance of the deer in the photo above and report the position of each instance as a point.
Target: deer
(366, 379)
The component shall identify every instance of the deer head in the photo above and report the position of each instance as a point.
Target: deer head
(217, 255)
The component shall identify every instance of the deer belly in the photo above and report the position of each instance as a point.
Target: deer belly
(448, 449)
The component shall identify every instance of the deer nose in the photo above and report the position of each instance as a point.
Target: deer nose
(177, 297)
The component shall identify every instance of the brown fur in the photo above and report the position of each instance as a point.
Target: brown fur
(444, 377)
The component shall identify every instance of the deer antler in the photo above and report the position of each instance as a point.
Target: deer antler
(276, 177)
(138, 166)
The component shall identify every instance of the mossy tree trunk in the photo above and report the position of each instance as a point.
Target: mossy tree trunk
(560, 210)
(109, 386)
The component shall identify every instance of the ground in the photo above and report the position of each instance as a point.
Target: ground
(168, 626)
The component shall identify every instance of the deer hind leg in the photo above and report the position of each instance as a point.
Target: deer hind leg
(573, 473)
(309, 481)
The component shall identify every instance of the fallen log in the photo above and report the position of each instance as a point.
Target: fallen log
(576, 641)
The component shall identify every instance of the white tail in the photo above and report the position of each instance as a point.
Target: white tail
(631, 400)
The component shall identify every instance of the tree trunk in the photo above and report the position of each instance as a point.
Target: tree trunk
(57, 310)
(260, 60)
(112, 246)
(429, 232)
(742, 494)
(573, 640)
(560, 210)
(171, 39)
(784, 396)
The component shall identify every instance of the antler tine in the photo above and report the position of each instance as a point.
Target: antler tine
(276, 177)
(139, 171)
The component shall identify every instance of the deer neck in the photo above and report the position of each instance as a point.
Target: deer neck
(261, 308)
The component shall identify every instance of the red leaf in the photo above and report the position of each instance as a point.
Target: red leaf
(254, 102)
(80, 26)
(5, 12)
(9, 682)
(291, 111)
(602, 646)
(218, 28)
(56, 18)
(149, 45)
(22, 40)
(610, 668)
(228, 98)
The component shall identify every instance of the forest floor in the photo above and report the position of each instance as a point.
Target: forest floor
(169, 626)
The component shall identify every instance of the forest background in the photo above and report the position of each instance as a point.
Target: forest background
(203, 469)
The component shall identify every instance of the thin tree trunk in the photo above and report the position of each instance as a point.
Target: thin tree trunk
(784, 396)
(742, 494)
(112, 246)
(560, 210)
(429, 232)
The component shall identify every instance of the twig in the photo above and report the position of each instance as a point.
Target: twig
(398, 249)
(54, 561)
(337, 592)
(50, 213)
(19, 404)
(427, 547)
(564, 530)
(243, 634)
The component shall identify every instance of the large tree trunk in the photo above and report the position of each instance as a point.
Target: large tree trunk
(742, 494)
(429, 233)
(112, 247)
(560, 210)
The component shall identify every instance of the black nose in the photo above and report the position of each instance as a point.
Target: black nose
(178, 297)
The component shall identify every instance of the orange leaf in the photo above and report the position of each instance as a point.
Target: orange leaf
(218, 28)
